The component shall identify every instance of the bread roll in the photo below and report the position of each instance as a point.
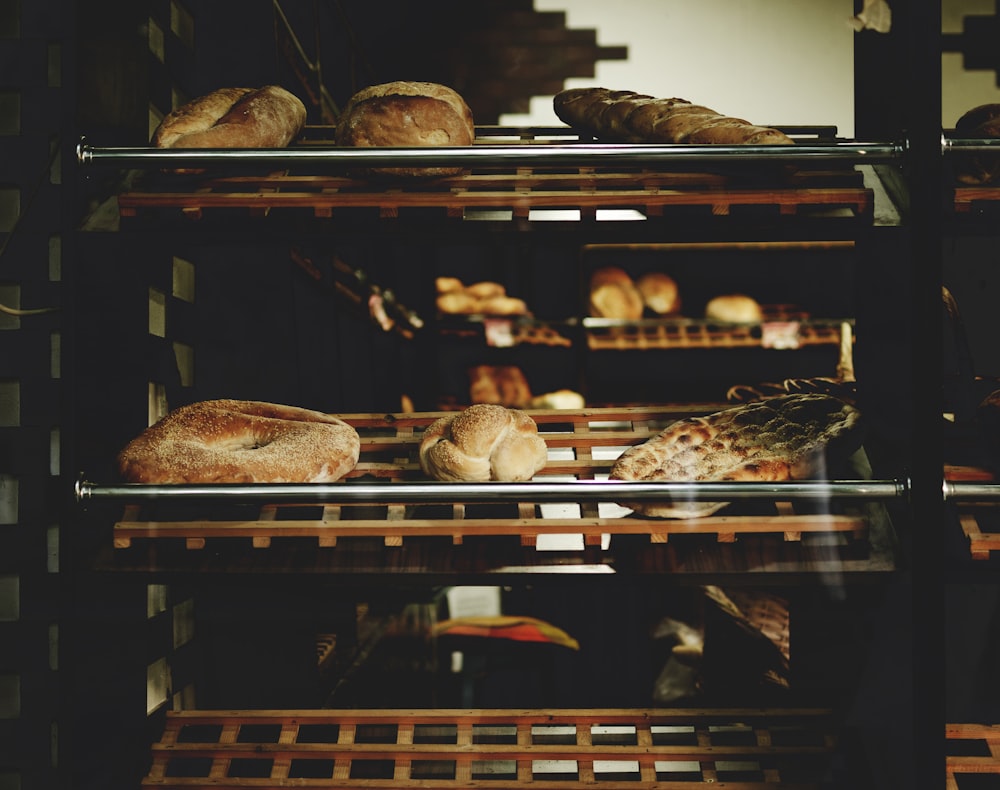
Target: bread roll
(734, 309)
(559, 399)
(659, 293)
(407, 114)
(483, 443)
(480, 298)
(978, 168)
(613, 294)
(606, 115)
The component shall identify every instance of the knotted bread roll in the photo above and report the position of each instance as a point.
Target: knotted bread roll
(485, 442)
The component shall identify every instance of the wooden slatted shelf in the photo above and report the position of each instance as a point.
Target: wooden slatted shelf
(740, 749)
(516, 189)
(582, 446)
(782, 327)
(980, 523)
(968, 198)
(972, 749)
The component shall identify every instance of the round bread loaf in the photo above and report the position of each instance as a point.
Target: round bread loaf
(233, 441)
(613, 294)
(482, 443)
(407, 114)
(659, 293)
(734, 309)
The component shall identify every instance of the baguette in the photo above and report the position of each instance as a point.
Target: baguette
(627, 116)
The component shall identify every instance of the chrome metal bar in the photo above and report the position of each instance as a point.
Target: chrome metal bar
(971, 492)
(970, 145)
(488, 155)
(535, 491)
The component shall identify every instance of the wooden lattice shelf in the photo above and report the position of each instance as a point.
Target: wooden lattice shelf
(972, 749)
(740, 749)
(782, 327)
(980, 522)
(582, 446)
(517, 189)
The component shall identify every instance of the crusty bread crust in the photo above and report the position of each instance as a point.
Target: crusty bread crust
(791, 437)
(482, 443)
(404, 114)
(627, 116)
(232, 441)
(268, 117)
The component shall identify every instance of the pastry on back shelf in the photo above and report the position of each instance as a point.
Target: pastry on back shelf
(734, 309)
(613, 294)
(505, 385)
(479, 298)
(659, 292)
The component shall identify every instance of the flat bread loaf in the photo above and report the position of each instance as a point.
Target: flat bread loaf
(790, 437)
(406, 114)
(485, 442)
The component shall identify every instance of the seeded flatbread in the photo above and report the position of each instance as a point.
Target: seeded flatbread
(790, 437)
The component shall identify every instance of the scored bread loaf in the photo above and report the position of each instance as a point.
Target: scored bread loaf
(268, 117)
(978, 168)
(627, 116)
(406, 114)
(485, 442)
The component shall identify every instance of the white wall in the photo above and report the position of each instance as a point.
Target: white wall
(768, 61)
(962, 90)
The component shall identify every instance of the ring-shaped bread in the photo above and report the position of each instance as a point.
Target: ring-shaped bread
(235, 441)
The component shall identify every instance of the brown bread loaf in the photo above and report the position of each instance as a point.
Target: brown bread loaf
(627, 116)
(406, 114)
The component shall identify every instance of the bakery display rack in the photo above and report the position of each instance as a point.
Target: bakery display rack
(526, 172)
(570, 505)
(738, 748)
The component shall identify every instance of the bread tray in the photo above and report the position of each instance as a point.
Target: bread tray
(387, 496)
